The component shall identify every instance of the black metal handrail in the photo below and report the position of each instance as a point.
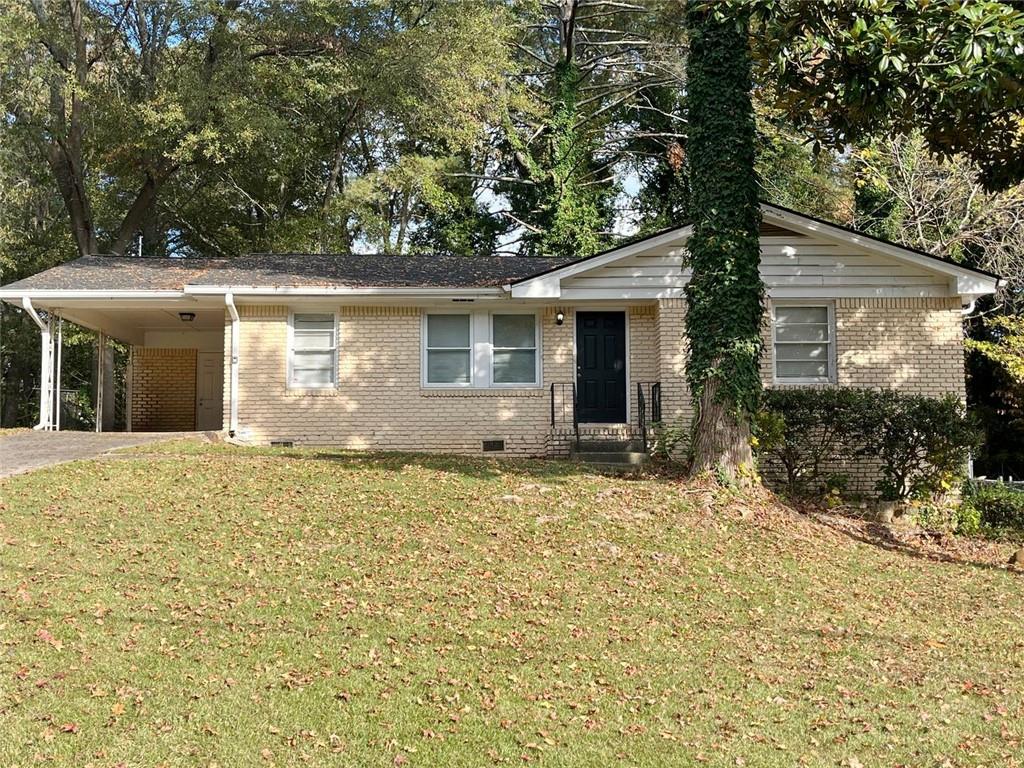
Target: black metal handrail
(641, 413)
(648, 401)
(560, 404)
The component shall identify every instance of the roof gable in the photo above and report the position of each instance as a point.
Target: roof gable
(800, 256)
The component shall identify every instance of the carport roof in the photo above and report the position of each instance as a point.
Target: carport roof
(298, 270)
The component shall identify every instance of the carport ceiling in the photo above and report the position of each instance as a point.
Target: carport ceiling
(130, 324)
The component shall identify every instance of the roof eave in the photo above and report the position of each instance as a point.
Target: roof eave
(339, 290)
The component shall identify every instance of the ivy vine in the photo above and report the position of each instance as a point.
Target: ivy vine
(725, 296)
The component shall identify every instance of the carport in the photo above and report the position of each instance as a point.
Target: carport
(174, 379)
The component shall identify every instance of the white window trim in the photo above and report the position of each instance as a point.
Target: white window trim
(481, 341)
(423, 351)
(291, 349)
(831, 378)
(536, 352)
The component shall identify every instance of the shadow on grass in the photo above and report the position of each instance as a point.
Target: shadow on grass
(883, 536)
(538, 469)
(550, 470)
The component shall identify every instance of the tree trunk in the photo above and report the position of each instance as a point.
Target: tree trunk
(725, 293)
(70, 179)
(720, 441)
(140, 210)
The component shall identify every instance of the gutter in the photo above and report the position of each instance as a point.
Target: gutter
(314, 291)
(229, 302)
(26, 304)
(86, 293)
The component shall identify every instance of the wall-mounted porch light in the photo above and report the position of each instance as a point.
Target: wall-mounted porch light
(186, 317)
(559, 317)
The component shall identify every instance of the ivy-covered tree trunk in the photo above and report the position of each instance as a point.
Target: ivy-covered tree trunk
(725, 293)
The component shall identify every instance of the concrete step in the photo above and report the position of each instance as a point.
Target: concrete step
(595, 445)
(619, 458)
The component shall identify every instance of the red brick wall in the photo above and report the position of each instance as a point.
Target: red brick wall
(163, 390)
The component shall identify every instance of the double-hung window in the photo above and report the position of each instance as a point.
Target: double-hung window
(804, 343)
(514, 350)
(478, 349)
(449, 350)
(312, 359)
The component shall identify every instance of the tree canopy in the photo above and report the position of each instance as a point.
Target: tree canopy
(503, 126)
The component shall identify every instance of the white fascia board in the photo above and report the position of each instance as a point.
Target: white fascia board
(613, 294)
(239, 291)
(858, 292)
(967, 285)
(541, 286)
(64, 293)
(789, 292)
(794, 221)
(544, 287)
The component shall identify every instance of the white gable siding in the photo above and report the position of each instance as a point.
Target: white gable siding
(793, 264)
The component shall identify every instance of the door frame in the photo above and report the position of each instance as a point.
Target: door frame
(199, 356)
(575, 370)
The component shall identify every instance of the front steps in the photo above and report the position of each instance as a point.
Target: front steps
(613, 454)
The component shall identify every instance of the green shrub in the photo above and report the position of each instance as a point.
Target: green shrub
(802, 430)
(667, 439)
(996, 507)
(962, 518)
(921, 443)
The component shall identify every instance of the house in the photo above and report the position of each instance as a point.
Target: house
(491, 353)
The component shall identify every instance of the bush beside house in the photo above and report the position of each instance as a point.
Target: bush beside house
(993, 509)
(920, 444)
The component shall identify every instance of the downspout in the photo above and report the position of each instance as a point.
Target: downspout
(969, 308)
(45, 365)
(229, 301)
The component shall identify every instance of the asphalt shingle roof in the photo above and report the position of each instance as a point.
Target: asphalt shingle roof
(120, 273)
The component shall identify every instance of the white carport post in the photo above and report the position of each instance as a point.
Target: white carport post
(56, 378)
(229, 301)
(45, 365)
(101, 350)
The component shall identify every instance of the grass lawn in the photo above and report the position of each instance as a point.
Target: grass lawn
(194, 604)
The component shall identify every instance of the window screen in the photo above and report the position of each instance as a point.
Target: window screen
(514, 349)
(314, 347)
(449, 349)
(803, 343)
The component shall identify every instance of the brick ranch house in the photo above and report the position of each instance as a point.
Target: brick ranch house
(490, 353)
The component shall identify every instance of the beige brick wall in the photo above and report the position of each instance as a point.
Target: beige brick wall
(914, 344)
(670, 324)
(379, 402)
(163, 389)
(644, 352)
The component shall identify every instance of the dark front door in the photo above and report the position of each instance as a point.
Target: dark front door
(601, 367)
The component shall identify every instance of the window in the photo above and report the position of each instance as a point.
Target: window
(311, 364)
(449, 350)
(513, 349)
(803, 339)
(478, 349)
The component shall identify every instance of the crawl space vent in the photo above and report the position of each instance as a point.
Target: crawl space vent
(494, 445)
(282, 444)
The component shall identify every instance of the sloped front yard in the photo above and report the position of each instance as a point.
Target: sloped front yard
(197, 605)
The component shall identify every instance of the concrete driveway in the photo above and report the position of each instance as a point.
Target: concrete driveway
(25, 450)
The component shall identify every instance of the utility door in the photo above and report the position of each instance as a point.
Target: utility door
(209, 391)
